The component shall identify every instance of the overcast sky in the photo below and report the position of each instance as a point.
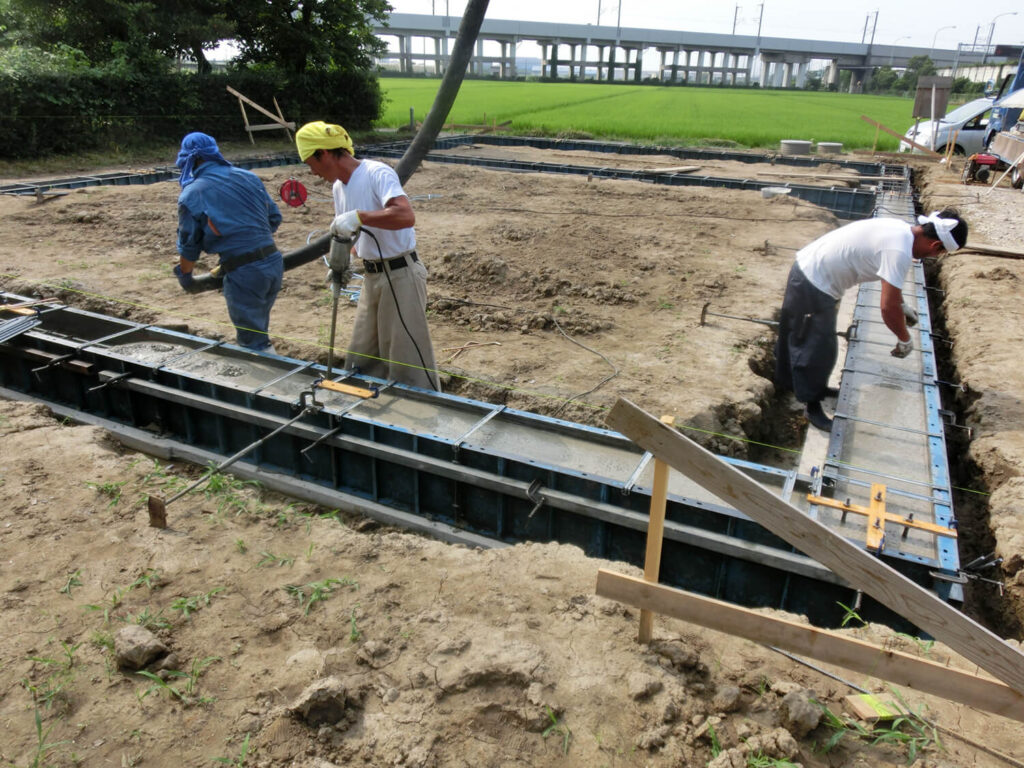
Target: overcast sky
(899, 21)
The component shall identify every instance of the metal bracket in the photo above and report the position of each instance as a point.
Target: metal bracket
(533, 494)
(53, 362)
(112, 380)
(950, 421)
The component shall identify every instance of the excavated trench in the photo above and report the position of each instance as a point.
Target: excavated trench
(984, 601)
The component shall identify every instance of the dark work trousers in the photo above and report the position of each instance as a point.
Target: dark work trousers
(806, 349)
(250, 292)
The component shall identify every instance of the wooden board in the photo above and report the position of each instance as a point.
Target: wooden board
(990, 250)
(864, 706)
(900, 136)
(861, 569)
(901, 668)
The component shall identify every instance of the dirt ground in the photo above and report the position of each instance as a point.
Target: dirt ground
(440, 655)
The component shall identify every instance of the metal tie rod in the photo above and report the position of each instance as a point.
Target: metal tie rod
(888, 426)
(835, 477)
(923, 382)
(158, 507)
(704, 312)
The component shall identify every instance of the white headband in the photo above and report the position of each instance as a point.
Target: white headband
(943, 228)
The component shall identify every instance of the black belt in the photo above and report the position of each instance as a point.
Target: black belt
(232, 263)
(373, 266)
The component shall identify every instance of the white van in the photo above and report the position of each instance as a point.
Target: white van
(965, 126)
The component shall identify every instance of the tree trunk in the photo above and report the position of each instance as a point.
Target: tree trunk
(462, 52)
(203, 66)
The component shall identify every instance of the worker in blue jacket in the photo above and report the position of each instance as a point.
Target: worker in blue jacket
(226, 210)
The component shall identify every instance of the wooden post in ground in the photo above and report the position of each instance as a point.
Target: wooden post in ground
(655, 534)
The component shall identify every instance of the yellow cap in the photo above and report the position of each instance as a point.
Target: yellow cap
(320, 135)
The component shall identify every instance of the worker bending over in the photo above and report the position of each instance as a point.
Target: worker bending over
(390, 337)
(864, 251)
(226, 210)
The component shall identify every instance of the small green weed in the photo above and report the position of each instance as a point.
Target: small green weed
(268, 559)
(47, 692)
(353, 630)
(198, 667)
(227, 489)
(239, 761)
(148, 619)
(910, 730)
(159, 685)
(716, 745)
(103, 640)
(43, 747)
(850, 615)
(189, 605)
(317, 591)
(559, 728)
(111, 490)
(759, 760)
(241, 547)
(72, 582)
(924, 647)
(149, 578)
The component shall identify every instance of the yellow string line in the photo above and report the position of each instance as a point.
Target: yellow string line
(471, 379)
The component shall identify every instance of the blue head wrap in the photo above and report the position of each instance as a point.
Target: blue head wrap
(197, 146)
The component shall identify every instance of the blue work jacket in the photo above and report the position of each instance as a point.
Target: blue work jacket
(225, 210)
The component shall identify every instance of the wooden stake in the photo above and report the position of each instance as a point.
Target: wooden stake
(655, 535)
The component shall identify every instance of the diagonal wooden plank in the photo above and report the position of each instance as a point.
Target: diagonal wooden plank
(850, 653)
(254, 105)
(847, 560)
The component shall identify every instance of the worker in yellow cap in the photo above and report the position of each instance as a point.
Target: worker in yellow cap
(390, 337)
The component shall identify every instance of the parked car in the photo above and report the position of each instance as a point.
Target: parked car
(966, 126)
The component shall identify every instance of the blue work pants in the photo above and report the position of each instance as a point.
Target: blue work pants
(250, 292)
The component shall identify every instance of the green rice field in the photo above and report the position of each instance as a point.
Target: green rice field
(660, 115)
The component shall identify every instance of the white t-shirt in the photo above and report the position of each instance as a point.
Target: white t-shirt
(369, 188)
(866, 250)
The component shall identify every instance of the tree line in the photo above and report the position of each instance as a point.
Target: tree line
(84, 74)
(146, 35)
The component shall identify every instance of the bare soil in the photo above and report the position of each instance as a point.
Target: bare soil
(552, 294)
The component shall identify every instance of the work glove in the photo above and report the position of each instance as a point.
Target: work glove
(338, 279)
(902, 348)
(184, 278)
(347, 225)
(910, 314)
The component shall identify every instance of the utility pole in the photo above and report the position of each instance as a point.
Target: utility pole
(599, 13)
(735, 15)
(757, 47)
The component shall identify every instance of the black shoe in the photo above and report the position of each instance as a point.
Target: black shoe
(817, 417)
(832, 392)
